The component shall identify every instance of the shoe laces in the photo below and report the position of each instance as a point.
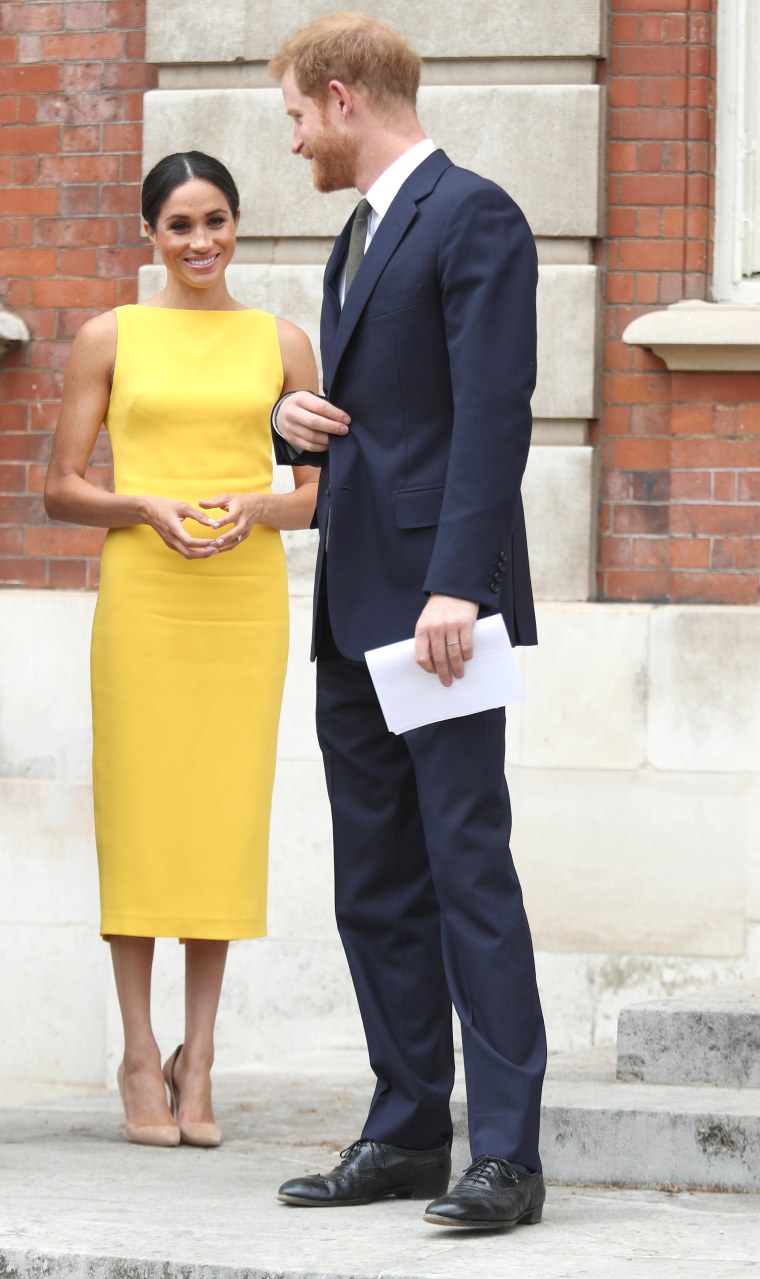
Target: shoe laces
(482, 1169)
(355, 1145)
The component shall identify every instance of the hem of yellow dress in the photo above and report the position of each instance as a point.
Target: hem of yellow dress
(183, 929)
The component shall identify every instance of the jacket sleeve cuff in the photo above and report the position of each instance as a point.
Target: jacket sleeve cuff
(284, 452)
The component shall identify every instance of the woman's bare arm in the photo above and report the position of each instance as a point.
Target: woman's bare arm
(69, 495)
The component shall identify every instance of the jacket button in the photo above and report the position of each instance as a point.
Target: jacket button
(495, 587)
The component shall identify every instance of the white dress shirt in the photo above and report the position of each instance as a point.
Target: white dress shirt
(384, 190)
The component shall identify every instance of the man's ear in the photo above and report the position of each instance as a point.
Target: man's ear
(342, 96)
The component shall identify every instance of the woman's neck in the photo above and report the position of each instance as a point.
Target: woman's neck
(174, 298)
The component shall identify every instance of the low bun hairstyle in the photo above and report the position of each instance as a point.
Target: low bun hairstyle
(177, 169)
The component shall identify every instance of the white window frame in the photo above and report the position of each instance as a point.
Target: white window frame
(737, 171)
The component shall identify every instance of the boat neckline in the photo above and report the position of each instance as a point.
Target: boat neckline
(194, 310)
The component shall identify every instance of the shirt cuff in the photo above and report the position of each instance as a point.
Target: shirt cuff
(273, 418)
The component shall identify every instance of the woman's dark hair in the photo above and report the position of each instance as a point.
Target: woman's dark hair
(177, 169)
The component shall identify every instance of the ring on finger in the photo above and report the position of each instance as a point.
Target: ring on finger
(452, 643)
(239, 537)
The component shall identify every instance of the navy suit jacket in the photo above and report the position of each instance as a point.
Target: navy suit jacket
(433, 356)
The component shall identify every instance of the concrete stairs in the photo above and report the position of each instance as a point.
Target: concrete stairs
(679, 1109)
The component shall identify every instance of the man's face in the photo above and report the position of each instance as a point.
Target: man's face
(320, 137)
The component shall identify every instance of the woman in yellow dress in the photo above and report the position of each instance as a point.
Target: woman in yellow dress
(190, 635)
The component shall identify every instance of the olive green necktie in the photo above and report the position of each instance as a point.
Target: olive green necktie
(357, 242)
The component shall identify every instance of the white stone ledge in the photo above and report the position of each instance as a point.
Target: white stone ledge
(300, 250)
(448, 71)
(551, 431)
(555, 179)
(12, 329)
(564, 250)
(708, 336)
(252, 30)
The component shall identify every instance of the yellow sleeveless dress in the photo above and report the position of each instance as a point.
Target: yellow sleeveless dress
(188, 656)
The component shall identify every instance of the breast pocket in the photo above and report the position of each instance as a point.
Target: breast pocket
(399, 300)
(418, 508)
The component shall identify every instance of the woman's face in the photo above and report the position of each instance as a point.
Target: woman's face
(195, 233)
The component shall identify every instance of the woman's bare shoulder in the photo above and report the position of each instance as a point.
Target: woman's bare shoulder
(298, 364)
(96, 340)
(291, 336)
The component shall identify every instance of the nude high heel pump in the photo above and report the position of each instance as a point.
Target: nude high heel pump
(146, 1134)
(192, 1134)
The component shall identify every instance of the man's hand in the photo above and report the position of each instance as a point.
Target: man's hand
(307, 421)
(443, 636)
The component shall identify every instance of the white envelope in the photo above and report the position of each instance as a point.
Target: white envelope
(410, 697)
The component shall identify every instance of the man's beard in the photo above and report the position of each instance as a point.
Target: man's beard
(333, 160)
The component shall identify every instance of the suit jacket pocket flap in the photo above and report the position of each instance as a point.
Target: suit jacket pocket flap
(418, 508)
(386, 303)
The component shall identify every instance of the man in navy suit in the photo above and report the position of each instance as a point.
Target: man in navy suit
(429, 359)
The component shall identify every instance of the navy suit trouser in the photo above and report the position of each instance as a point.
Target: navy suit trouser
(430, 912)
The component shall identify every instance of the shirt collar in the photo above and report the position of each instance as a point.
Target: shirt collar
(384, 189)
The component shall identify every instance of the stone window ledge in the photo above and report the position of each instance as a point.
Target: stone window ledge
(12, 330)
(710, 336)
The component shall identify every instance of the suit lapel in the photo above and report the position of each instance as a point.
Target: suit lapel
(331, 300)
(385, 241)
(335, 260)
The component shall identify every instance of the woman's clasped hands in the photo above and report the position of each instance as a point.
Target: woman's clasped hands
(167, 518)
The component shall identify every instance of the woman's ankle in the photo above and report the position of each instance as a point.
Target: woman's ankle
(139, 1057)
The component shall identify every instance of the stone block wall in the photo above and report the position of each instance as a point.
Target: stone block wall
(515, 100)
(633, 776)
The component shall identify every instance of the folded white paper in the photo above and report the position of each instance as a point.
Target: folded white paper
(410, 697)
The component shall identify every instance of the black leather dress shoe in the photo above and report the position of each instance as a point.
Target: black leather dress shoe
(372, 1170)
(490, 1195)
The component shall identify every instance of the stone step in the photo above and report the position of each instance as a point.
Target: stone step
(653, 1135)
(598, 1131)
(711, 1037)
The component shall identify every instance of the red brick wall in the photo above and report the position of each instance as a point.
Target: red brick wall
(70, 165)
(680, 452)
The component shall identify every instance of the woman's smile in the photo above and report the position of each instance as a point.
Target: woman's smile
(202, 264)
